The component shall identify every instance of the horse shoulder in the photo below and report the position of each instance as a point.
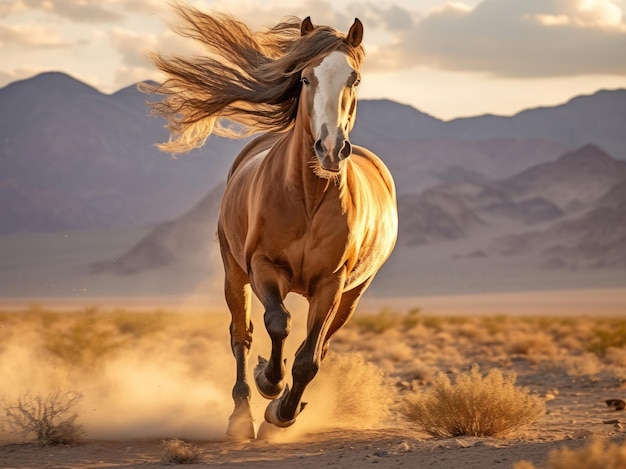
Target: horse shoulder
(377, 165)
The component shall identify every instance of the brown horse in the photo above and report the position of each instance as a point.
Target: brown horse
(304, 210)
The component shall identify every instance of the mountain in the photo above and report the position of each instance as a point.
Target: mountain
(592, 238)
(74, 158)
(598, 118)
(190, 235)
(548, 191)
(590, 232)
(434, 215)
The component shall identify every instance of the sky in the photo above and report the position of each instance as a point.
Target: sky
(446, 58)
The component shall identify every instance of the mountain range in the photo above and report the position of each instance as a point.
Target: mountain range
(546, 186)
(75, 158)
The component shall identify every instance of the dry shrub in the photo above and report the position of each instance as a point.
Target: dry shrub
(531, 343)
(616, 356)
(474, 405)
(180, 452)
(49, 417)
(84, 343)
(597, 455)
(586, 364)
(612, 334)
(376, 323)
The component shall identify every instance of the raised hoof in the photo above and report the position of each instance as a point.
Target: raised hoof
(241, 426)
(271, 415)
(273, 410)
(266, 388)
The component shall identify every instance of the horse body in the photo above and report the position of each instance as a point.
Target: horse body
(308, 227)
(304, 210)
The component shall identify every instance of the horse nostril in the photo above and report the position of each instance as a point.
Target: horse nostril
(319, 148)
(346, 150)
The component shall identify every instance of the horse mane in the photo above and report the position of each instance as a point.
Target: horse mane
(248, 82)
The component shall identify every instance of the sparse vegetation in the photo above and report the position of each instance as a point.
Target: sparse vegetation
(180, 452)
(376, 323)
(612, 334)
(83, 343)
(474, 405)
(598, 455)
(374, 363)
(51, 418)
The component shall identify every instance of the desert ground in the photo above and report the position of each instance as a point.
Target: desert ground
(148, 377)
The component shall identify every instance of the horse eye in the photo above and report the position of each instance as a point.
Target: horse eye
(305, 81)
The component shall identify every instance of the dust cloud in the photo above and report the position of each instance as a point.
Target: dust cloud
(170, 375)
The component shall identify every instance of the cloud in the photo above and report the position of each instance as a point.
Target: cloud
(266, 14)
(82, 11)
(10, 8)
(33, 35)
(513, 38)
(391, 18)
(133, 46)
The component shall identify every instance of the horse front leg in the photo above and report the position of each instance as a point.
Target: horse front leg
(270, 287)
(322, 308)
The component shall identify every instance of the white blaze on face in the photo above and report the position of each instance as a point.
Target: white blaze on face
(332, 75)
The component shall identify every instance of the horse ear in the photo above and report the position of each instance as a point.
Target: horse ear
(306, 26)
(355, 35)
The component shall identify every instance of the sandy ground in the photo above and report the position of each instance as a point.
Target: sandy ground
(376, 357)
(382, 448)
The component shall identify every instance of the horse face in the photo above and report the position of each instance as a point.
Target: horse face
(331, 87)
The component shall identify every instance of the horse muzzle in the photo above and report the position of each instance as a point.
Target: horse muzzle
(331, 152)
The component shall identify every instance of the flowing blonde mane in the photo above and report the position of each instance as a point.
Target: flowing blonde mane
(248, 82)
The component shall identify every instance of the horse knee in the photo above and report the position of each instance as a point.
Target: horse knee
(277, 323)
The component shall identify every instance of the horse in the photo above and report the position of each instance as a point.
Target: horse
(304, 210)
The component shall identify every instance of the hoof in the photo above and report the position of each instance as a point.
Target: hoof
(266, 388)
(272, 412)
(241, 426)
(271, 415)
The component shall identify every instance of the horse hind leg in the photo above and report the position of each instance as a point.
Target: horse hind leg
(237, 293)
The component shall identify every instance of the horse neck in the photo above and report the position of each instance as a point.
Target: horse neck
(299, 170)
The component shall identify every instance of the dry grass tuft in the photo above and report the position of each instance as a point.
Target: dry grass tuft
(49, 418)
(597, 455)
(474, 405)
(180, 452)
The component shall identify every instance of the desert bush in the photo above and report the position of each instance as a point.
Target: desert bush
(180, 452)
(474, 405)
(531, 343)
(587, 364)
(376, 323)
(49, 417)
(412, 318)
(597, 455)
(84, 343)
(612, 334)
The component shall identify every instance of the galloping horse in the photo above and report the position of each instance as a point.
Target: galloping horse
(304, 210)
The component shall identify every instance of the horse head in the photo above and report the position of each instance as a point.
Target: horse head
(329, 97)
